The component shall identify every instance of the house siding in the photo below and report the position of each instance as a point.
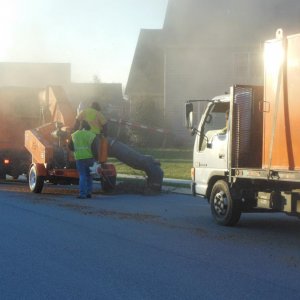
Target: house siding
(209, 46)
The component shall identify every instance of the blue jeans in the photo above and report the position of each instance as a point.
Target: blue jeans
(85, 178)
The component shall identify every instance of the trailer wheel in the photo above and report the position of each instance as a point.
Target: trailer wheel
(35, 182)
(108, 183)
(225, 206)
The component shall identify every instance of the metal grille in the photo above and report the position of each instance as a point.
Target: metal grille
(242, 125)
(247, 127)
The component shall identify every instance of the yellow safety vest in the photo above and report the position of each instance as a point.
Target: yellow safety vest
(82, 140)
(95, 119)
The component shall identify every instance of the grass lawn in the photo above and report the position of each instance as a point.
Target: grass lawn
(175, 163)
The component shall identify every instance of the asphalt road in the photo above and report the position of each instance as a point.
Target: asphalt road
(131, 246)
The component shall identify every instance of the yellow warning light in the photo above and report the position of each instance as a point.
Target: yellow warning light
(6, 161)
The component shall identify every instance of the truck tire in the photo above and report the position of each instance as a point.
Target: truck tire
(35, 182)
(225, 206)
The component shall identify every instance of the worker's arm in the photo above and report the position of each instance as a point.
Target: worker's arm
(79, 118)
(102, 123)
(223, 130)
(71, 145)
(95, 148)
(105, 130)
(76, 125)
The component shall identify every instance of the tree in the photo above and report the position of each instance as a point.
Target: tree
(147, 113)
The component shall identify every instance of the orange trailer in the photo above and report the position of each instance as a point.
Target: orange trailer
(281, 142)
(52, 160)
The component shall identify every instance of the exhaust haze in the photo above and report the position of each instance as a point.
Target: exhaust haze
(97, 37)
(226, 20)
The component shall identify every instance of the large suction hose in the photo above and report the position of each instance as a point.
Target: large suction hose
(138, 161)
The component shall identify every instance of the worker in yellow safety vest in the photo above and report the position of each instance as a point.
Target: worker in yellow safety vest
(97, 122)
(83, 143)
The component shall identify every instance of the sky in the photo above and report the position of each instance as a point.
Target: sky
(98, 37)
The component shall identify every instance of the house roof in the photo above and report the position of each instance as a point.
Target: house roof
(146, 74)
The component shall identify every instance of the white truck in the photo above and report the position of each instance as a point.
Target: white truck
(251, 162)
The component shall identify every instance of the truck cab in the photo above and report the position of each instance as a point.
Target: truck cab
(228, 140)
(210, 156)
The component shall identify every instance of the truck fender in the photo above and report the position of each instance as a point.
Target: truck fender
(40, 168)
(211, 183)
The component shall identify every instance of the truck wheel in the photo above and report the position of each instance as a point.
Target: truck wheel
(108, 183)
(225, 208)
(35, 182)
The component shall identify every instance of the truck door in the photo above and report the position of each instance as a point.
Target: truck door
(210, 149)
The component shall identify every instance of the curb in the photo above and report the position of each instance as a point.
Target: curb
(176, 190)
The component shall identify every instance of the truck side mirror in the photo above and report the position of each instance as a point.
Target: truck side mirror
(208, 118)
(189, 115)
